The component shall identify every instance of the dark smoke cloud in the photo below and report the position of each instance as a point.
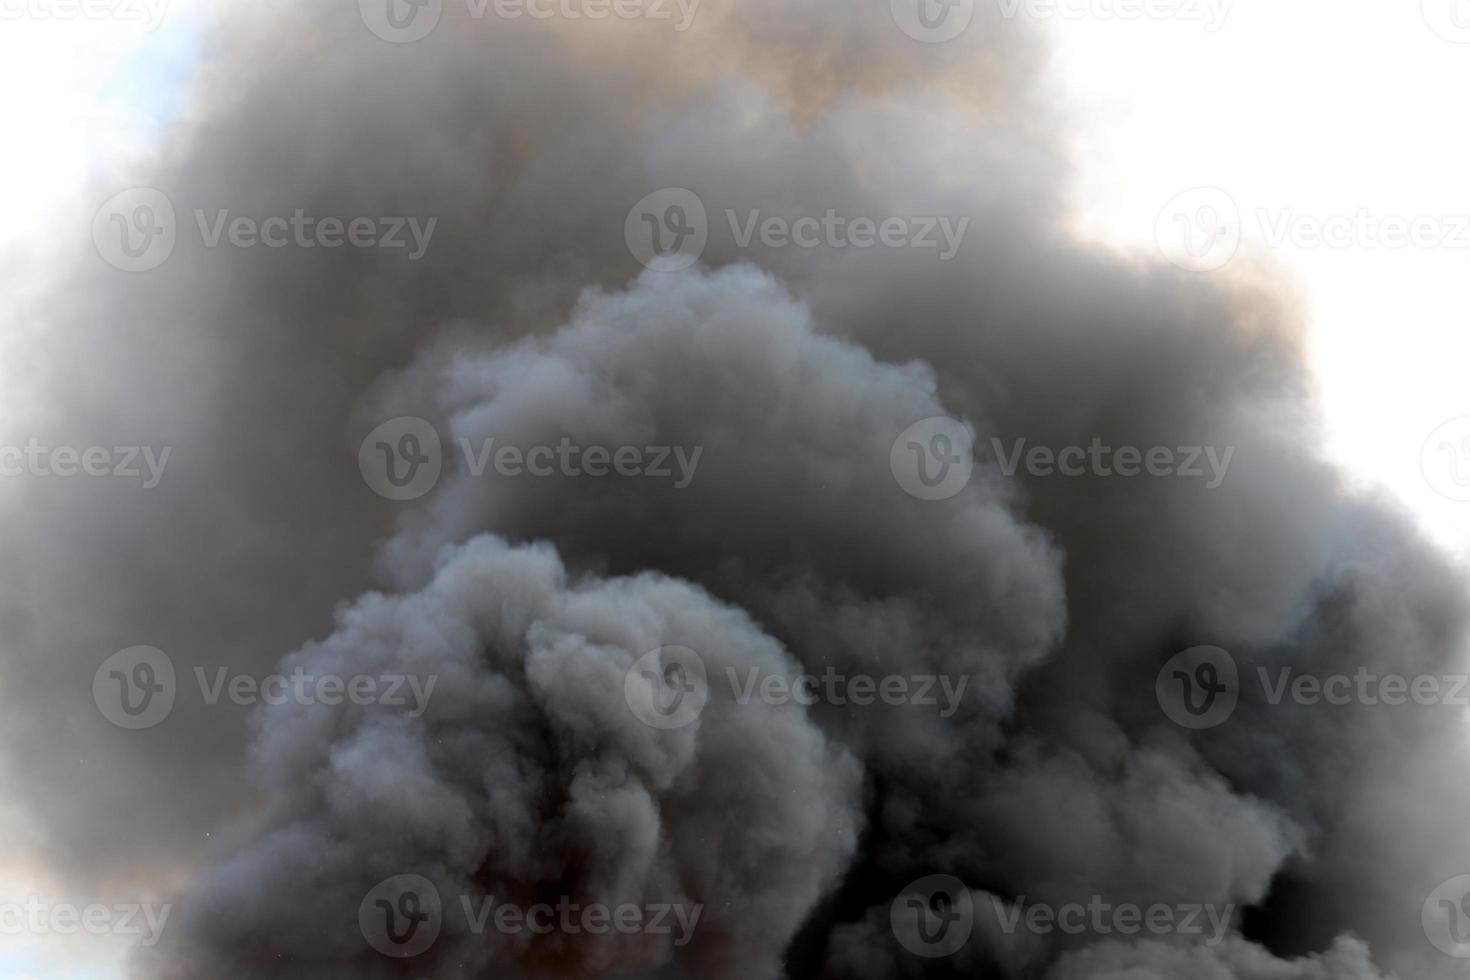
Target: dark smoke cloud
(793, 549)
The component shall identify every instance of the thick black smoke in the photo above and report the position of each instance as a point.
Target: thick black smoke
(1055, 777)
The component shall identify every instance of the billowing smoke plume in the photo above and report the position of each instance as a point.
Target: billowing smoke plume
(549, 612)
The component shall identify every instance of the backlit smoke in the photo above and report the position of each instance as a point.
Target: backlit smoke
(790, 549)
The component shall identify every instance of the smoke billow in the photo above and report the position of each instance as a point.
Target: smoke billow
(776, 380)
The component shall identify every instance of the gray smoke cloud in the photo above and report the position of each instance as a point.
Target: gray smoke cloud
(527, 775)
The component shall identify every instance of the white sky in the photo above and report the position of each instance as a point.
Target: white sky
(1314, 108)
